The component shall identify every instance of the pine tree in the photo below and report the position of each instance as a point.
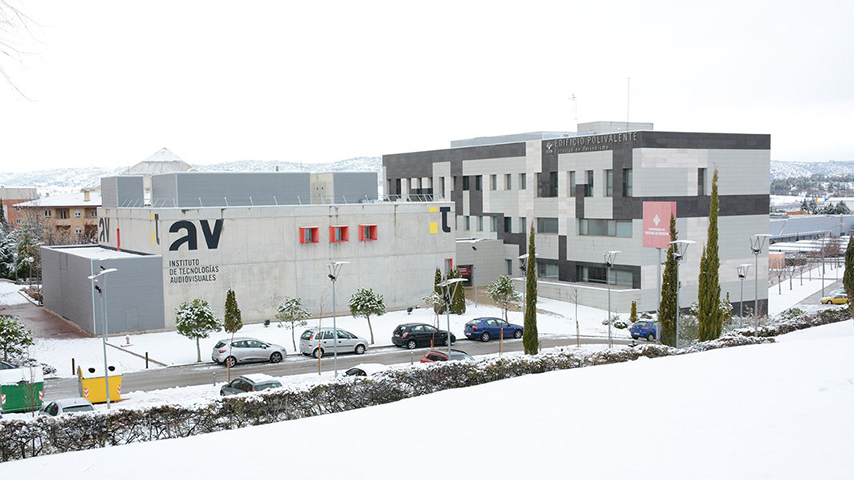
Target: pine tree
(848, 276)
(458, 302)
(365, 302)
(709, 294)
(195, 320)
(437, 279)
(530, 338)
(633, 314)
(15, 337)
(667, 306)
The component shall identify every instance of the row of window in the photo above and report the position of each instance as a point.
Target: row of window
(63, 213)
(476, 223)
(615, 276)
(337, 234)
(586, 226)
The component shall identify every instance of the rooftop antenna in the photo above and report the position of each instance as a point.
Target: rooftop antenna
(575, 109)
(628, 99)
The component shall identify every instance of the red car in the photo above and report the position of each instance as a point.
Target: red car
(442, 356)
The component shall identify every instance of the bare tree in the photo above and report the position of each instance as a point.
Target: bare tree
(780, 273)
(15, 33)
(790, 268)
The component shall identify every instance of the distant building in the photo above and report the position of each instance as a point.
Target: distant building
(161, 161)
(11, 196)
(69, 218)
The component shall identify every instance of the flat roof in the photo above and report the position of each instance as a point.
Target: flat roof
(96, 252)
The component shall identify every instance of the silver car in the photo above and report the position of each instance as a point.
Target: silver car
(244, 350)
(66, 405)
(315, 342)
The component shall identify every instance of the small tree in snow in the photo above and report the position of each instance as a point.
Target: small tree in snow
(435, 302)
(15, 337)
(196, 320)
(232, 322)
(633, 314)
(501, 292)
(364, 303)
(293, 312)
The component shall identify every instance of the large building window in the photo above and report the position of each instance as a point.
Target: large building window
(508, 225)
(367, 232)
(509, 265)
(523, 181)
(480, 224)
(508, 185)
(618, 277)
(48, 213)
(62, 213)
(466, 182)
(546, 225)
(588, 192)
(309, 235)
(493, 182)
(627, 182)
(494, 223)
(339, 233)
(701, 181)
(609, 183)
(523, 225)
(467, 221)
(547, 184)
(442, 187)
(571, 184)
(478, 182)
(547, 269)
(605, 228)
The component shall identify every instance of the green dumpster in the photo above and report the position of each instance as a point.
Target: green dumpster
(21, 389)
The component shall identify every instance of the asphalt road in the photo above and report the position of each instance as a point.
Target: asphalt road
(210, 373)
(813, 299)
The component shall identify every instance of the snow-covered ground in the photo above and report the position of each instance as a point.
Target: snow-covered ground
(171, 348)
(780, 298)
(10, 294)
(766, 411)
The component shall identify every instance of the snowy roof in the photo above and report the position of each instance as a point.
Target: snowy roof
(259, 378)
(75, 199)
(371, 368)
(810, 224)
(95, 252)
(13, 376)
(162, 161)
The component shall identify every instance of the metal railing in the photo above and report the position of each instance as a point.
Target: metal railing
(255, 201)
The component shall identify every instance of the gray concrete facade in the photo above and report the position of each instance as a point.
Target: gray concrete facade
(122, 191)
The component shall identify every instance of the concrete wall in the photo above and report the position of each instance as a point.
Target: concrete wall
(66, 289)
(488, 260)
(122, 191)
(258, 253)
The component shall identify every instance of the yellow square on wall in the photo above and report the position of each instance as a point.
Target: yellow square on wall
(433, 209)
(434, 227)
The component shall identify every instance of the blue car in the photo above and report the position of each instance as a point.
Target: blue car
(644, 329)
(486, 328)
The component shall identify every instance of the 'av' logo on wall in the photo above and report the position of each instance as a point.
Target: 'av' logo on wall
(190, 237)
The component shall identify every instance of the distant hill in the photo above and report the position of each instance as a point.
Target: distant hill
(805, 169)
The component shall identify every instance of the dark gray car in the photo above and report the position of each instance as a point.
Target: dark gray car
(249, 383)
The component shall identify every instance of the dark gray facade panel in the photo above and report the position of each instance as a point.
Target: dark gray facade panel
(122, 191)
(213, 189)
(352, 187)
(716, 141)
(67, 289)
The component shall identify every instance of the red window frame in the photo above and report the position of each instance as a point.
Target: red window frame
(372, 232)
(345, 233)
(315, 234)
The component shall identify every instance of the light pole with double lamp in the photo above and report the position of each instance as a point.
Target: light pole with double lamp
(609, 262)
(334, 270)
(680, 247)
(99, 284)
(756, 243)
(742, 274)
(449, 288)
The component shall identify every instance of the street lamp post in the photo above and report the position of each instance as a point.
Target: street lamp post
(100, 289)
(449, 288)
(742, 274)
(681, 247)
(334, 270)
(756, 243)
(609, 262)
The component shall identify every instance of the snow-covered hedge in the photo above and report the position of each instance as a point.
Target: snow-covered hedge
(787, 323)
(48, 435)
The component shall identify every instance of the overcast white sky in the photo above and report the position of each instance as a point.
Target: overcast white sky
(112, 82)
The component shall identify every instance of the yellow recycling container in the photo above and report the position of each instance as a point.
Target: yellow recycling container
(91, 383)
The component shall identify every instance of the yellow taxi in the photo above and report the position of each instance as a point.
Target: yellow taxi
(836, 298)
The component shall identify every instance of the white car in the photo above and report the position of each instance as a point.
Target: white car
(315, 342)
(244, 350)
(66, 405)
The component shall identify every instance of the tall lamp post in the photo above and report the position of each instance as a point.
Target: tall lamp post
(609, 262)
(679, 250)
(334, 270)
(449, 288)
(100, 284)
(742, 274)
(756, 243)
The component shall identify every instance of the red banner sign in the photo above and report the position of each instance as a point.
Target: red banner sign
(656, 223)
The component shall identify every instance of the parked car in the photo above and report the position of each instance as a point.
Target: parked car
(487, 328)
(365, 370)
(244, 350)
(314, 342)
(66, 405)
(644, 329)
(442, 356)
(411, 335)
(835, 299)
(255, 382)
(6, 365)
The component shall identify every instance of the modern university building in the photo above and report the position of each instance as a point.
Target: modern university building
(608, 187)
(266, 235)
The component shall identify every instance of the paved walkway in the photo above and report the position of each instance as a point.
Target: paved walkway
(42, 323)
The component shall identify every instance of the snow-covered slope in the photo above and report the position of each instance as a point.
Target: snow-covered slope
(778, 411)
(805, 169)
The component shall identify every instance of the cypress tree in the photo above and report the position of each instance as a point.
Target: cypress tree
(709, 294)
(232, 321)
(667, 306)
(530, 339)
(458, 303)
(848, 276)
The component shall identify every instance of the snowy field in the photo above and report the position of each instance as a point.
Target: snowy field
(765, 411)
(9, 294)
(170, 348)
